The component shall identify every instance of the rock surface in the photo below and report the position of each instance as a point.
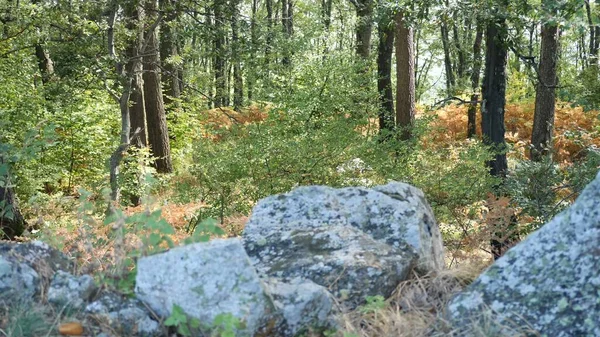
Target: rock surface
(125, 316)
(550, 282)
(205, 280)
(303, 305)
(24, 267)
(355, 241)
(71, 291)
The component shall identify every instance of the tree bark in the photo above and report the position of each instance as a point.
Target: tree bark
(269, 37)
(472, 113)
(364, 27)
(219, 55)
(137, 110)
(384, 73)
(158, 134)
(405, 78)
(545, 100)
(238, 83)
(12, 223)
(251, 71)
(449, 71)
(168, 49)
(494, 91)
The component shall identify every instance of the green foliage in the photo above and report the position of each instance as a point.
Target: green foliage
(225, 325)
(374, 304)
(24, 319)
(179, 319)
(136, 178)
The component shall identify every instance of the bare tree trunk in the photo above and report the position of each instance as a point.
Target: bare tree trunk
(137, 110)
(269, 37)
(219, 55)
(405, 78)
(492, 111)
(460, 68)
(326, 6)
(472, 113)
(238, 84)
(12, 223)
(158, 134)
(545, 100)
(385, 50)
(449, 71)
(251, 71)
(169, 49)
(364, 27)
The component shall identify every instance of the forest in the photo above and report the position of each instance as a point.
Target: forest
(127, 127)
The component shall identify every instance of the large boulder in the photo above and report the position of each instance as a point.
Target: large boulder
(206, 280)
(355, 241)
(549, 283)
(70, 291)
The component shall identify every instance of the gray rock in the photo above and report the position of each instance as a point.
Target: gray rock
(25, 266)
(343, 259)
(550, 282)
(125, 316)
(37, 255)
(71, 291)
(396, 214)
(18, 281)
(205, 280)
(303, 305)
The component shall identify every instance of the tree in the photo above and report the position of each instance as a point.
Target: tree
(219, 64)
(238, 82)
(543, 120)
(156, 120)
(405, 77)
(475, 74)
(364, 27)
(385, 50)
(169, 52)
(494, 93)
(11, 221)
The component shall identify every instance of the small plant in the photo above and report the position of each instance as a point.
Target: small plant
(226, 325)
(374, 304)
(180, 320)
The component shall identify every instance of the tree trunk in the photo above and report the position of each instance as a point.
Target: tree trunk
(158, 134)
(405, 78)
(169, 49)
(494, 90)
(326, 6)
(137, 110)
(364, 27)
(449, 72)
(472, 113)
(543, 119)
(384, 73)
(12, 223)
(45, 64)
(492, 114)
(460, 68)
(219, 55)
(251, 70)
(269, 37)
(287, 16)
(238, 84)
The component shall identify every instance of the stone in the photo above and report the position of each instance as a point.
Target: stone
(396, 214)
(343, 259)
(303, 304)
(70, 291)
(549, 283)
(18, 281)
(125, 316)
(24, 267)
(205, 280)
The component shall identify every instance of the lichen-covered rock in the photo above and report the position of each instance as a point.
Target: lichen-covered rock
(38, 255)
(70, 291)
(125, 316)
(24, 267)
(303, 305)
(396, 214)
(550, 282)
(18, 281)
(205, 280)
(343, 259)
